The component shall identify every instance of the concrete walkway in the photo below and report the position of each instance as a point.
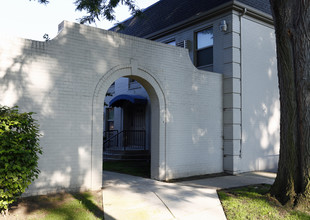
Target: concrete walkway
(133, 198)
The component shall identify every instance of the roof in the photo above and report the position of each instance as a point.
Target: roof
(261, 5)
(166, 13)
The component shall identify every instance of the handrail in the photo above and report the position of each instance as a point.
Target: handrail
(128, 139)
(112, 136)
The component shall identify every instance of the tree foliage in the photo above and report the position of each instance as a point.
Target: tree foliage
(43, 1)
(101, 9)
(19, 149)
(97, 9)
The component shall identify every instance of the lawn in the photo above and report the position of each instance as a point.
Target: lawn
(253, 202)
(135, 168)
(62, 206)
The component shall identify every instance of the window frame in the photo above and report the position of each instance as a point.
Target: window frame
(203, 48)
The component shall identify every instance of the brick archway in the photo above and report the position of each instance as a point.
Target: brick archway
(158, 125)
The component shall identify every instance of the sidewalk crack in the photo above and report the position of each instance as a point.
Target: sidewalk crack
(164, 204)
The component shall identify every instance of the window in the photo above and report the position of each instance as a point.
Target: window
(204, 47)
(171, 42)
(110, 118)
(110, 114)
(133, 84)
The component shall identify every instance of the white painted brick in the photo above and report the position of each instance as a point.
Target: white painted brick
(60, 88)
(65, 80)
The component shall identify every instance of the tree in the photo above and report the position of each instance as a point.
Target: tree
(292, 27)
(97, 9)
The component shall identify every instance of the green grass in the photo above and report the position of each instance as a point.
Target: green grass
(253, 202)
(82, 207)
(135, 168)
(60, 206)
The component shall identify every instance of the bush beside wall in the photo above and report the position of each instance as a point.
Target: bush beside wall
(19, 149)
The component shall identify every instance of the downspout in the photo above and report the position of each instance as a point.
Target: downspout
(241, 106)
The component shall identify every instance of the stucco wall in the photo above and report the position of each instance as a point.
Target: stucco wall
(260, 98)
(65, 81)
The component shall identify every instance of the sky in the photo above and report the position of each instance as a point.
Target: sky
(31, 20)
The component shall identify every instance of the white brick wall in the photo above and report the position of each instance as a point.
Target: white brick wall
(65, 81)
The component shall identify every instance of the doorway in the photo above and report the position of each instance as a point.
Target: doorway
(126, 137)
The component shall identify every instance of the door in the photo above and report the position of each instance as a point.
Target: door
(134, 125)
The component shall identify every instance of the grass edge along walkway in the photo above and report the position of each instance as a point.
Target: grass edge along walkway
(254, 202)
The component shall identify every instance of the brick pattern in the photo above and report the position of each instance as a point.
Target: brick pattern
(64, 81)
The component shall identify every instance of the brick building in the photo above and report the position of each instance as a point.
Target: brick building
(214, 106)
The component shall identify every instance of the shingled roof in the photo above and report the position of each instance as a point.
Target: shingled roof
(166, 13)
(261, 5)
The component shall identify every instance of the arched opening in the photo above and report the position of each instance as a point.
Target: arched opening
(127, 128)
(157, 119)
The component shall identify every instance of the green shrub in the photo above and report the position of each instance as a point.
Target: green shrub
(19, 149)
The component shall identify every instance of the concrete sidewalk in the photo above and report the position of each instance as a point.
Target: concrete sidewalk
(135, 198)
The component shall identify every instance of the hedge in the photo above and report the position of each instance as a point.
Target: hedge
(19, 149)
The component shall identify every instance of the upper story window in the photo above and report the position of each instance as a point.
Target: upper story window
(171, 42)
(204, 47)
(133, 84)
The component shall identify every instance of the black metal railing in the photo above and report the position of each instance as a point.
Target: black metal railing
(110, 139)
(124, 140)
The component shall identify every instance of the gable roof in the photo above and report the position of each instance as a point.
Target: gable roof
(166, 13)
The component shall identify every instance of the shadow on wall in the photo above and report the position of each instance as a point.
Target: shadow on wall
(61, 80)
(41, 77)
(266, 134)
(260, 103)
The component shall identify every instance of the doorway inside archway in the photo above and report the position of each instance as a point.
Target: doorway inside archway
(127, 130)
